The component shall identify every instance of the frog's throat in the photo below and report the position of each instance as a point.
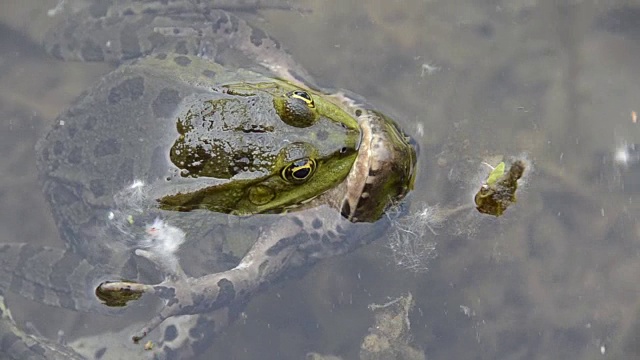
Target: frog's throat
(357, 178)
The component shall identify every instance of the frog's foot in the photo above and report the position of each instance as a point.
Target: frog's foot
(182, 295)
(188, 296)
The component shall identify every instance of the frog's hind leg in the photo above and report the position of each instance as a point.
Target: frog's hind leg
(201, 28)
(101, 31)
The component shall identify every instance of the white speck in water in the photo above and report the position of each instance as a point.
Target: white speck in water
(428, 69)
(136, 184)
(621, 156)
(420, 129)
(61, 123)
(108, 44)
(57, 9)
(111, 215)
(602, 349)
(466, 310)
(626, 155)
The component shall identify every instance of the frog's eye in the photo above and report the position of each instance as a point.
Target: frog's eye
(304, 96)
(297, 109)
(299, 171)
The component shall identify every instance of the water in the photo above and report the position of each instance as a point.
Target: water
(553, 81)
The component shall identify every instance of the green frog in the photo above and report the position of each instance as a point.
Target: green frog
(208, 133)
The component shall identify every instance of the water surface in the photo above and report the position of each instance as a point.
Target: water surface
(550, 81)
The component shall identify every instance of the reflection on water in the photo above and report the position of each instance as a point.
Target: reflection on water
(555, 277)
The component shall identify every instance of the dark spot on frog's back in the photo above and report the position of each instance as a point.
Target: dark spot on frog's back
(257, 36)
(182, 60)
(100, 353)
(209, 73)
(130, 89)
(165, 103)
(223, 23)
(106, 147)
(170, 333)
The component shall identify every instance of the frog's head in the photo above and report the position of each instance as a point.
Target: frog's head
(384, 171)
(259, 147)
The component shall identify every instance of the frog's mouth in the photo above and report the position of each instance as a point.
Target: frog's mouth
(384, 171)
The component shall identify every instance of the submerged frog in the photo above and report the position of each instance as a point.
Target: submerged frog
(215, 145)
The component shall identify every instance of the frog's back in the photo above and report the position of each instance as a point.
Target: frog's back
(120, 30)
(118, 132)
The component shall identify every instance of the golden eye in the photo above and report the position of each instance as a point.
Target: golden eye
(299, 171)
(304, 96)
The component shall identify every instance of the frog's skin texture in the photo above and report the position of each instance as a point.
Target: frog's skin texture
(207, 139)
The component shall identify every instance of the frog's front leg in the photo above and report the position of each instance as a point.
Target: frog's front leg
(291, 241)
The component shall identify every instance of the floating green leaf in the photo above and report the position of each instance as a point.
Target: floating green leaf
(499, 191)
(495, 174)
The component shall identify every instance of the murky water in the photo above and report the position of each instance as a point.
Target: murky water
(551, 81)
